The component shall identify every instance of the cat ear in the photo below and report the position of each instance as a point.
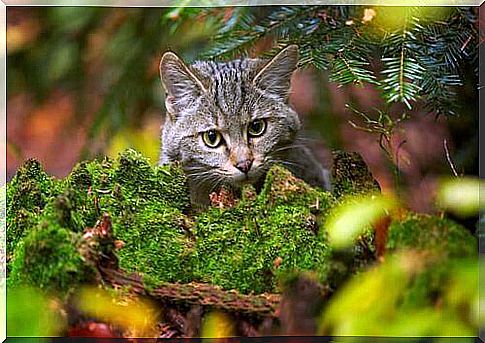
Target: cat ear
(275, 76)
(181, 84)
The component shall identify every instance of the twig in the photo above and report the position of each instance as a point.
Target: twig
(355, 126)
(397, 151)
(383, 138)
(466, 43)
(448, 157)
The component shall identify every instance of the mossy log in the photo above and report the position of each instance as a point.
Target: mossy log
(105, 263)
(246, 247)
(126, 223)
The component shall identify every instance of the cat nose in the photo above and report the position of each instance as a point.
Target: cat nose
(245, 165)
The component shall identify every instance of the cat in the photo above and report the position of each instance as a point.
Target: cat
(228, 123)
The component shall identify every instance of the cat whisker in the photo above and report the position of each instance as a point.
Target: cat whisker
(307, 139)
(208, 179)
(288, 147)
(198, 168)
(197, 175)
(290, 164)
(284, 163)
(218, 182)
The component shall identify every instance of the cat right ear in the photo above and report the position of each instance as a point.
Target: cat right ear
(181, 84)
(274, 78)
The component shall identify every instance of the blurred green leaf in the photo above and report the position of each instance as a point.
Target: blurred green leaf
(349, 219)
(217, 325)
(375, 302)
(32, 314)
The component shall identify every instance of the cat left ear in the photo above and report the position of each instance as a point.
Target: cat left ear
(274, 78)
(181, 83)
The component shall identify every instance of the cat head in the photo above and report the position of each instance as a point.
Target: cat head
(228, 122)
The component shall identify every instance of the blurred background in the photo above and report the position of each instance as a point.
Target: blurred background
(83, 82)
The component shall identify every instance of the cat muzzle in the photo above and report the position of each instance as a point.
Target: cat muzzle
(244, 166)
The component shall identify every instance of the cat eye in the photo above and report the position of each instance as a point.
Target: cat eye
(212, 138)
(256, 127)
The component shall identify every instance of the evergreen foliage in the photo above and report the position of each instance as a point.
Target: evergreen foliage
(111, 55)
(410, 53)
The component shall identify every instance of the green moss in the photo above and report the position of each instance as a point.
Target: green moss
(233, 247)
(350, 175)
(48, 258)
(144, 203)
(155, 243)
(425, 232)
(281, 187)
(441, 245)
(27, 194)
(249, 246)
(140, 180)
(129, 181)
(73, 209)
(95, 176)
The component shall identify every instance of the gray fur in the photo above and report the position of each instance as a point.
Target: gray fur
(226, 97)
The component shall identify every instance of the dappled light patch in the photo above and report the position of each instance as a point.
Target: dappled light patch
(461, 195)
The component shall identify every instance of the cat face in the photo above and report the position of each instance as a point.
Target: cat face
(228, 122)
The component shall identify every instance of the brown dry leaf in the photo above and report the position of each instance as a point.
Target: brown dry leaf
(277, 262)
(223, 199)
